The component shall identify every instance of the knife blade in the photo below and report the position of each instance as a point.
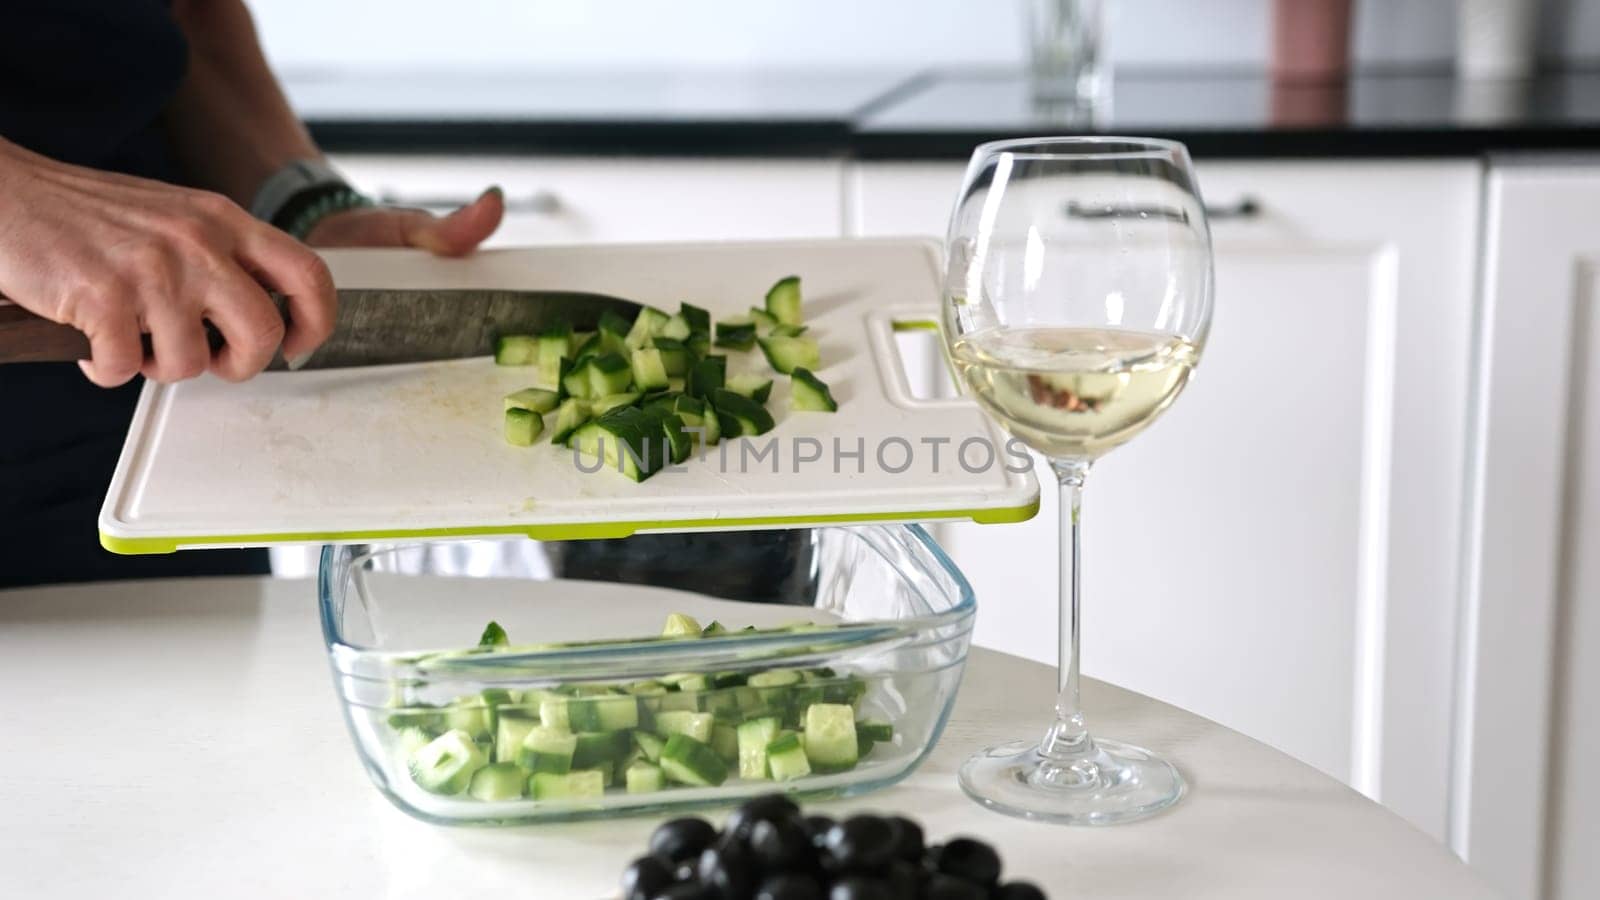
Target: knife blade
(372, 326)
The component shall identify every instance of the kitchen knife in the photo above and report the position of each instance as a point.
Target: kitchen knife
(372, 326)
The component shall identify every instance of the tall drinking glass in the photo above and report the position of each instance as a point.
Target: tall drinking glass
(1077, 300)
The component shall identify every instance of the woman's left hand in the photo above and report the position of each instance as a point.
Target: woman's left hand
(456, 234)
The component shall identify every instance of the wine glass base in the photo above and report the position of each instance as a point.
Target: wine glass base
(1113, 783)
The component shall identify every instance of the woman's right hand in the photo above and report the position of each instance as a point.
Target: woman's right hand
(117, 257)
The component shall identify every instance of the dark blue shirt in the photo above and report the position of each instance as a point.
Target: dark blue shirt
(84, 82)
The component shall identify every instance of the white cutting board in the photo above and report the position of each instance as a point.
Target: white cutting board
(416, 450)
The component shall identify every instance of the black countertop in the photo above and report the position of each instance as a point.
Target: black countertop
(889, 114)
(699, 112)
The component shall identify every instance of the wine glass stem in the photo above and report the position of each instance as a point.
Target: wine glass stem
(1069, 736)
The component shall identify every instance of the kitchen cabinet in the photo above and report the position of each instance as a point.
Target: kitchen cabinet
(1527, 790)
(570, 200)
(1281, 552)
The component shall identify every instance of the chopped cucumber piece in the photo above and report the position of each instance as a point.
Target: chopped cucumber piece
(830, 741)
(575, 381)
(569, 786)
(740, 416)
(697, 725)
(649, 744)
(646, 326)
(553, 713)
(609, 373)
(807, 392)
(716, 628)
(735, 334)
(418, 715)
(620, 439)
(763, 319)
(611, 342)
(498, 781)
(588, 346)
(789, 353)
(786, 758)
(876, 731)
(774, 678)
(523, 427)
(699, 345)
(610, 713)
(725, 740)
(510, 732)
(571, 415)
(674, 355)
(471, 715)
(681, 625)
(695, 319)
(783, 301)
(669, 441)
(708, 375)
(547, 749)
(676, 328)
(516, 350)
(755, 387)
(445, 765)
(602, 405)
(649, 369)
(647, 689)
(692, 682)
(538, 400)
(410, 739)
(612, 323)
(754, 736)
(493, 636)
(689, 761)
(789, 331)
(554, 344)
(643, 777)
(600, 749)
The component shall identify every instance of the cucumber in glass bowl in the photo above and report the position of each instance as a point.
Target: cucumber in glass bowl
(579, 702)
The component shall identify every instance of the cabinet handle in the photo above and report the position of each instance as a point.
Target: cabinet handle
(1246, 207)
(542, 203)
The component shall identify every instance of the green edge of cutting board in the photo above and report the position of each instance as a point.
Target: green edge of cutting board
(588, 531)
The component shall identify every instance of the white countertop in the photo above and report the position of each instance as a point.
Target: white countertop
(181, 739)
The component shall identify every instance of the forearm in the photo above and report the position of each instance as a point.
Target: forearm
(229, 124)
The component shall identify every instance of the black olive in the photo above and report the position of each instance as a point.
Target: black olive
(966, 858)
(949, 887)
(860, 844)
(681, 840)
(645, 877)
(728, 870)
(860, 887)
(907, 879)
(685, 870)
(789, 886)
(780, 845)
(767, 807)
(908, 843)
(1018, 890)
(817, 827)
(686, 890)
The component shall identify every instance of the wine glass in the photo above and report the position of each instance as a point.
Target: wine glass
(1077, 300)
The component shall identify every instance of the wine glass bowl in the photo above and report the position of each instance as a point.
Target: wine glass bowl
(1078, 292)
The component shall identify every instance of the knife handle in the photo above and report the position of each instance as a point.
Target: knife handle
(28, 337)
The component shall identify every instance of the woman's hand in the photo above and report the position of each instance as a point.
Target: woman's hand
(456, 234)
(116, 257)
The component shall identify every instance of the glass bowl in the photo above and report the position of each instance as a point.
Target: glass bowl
(817, 627)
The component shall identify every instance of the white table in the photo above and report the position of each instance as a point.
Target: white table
(181, 739)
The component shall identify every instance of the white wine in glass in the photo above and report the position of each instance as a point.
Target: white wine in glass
(1078, 296)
